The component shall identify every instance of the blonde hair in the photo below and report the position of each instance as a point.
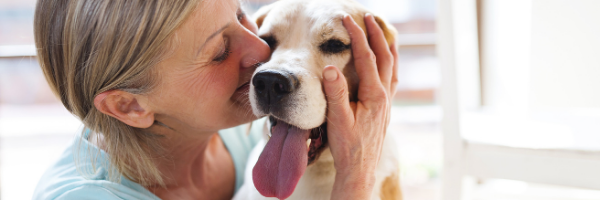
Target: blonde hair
(86, 47)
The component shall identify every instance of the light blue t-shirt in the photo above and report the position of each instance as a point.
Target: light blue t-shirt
(63, 181)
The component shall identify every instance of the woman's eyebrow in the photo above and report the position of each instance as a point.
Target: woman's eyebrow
(211, 37)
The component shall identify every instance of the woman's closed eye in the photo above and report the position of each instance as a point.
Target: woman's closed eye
(223, 55)
(224, 52)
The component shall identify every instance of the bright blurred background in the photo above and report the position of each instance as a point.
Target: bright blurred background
(537, 68)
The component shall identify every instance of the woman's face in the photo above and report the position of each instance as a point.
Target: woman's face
(203, 82)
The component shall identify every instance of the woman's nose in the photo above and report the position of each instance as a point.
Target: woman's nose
(255, 50)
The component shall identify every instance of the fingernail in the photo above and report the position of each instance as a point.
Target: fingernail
(330, 74)
(368, 14)
(344, 18)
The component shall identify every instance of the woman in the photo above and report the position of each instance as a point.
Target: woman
(157, 82)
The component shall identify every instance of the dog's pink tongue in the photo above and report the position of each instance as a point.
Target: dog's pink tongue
(282, 162)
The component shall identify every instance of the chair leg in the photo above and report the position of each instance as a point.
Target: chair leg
(452, 181)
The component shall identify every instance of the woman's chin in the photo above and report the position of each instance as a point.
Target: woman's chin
(240, 116)
(242, 110)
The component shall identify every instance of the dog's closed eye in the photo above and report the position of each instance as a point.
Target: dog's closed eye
(334, 46)
(271, 41)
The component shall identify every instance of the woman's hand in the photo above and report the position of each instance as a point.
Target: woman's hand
(356, 130)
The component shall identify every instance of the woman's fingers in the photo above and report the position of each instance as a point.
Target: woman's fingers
(381, 49)
(364, 62)
(336, 91)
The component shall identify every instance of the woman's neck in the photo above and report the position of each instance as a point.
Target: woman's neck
(198, 166)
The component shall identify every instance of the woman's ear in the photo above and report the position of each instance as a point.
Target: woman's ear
(125, 107)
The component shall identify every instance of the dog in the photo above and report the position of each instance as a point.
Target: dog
(293, 161)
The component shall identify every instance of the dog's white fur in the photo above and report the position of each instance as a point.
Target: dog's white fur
(299, 27)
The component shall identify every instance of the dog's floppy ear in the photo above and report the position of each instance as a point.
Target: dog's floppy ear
(388, 30)
(260, 15)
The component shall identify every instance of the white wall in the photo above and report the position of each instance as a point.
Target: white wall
(565, 70)
(540, 54)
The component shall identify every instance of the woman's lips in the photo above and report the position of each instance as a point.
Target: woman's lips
(244, 86)
(241, 94)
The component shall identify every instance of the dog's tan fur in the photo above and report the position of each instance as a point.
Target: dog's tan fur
(297, 53)
(390, 189)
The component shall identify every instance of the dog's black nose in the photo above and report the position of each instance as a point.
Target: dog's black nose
(272, 86)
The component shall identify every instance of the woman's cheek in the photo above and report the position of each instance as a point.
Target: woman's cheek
(222, 83)
(213, 82)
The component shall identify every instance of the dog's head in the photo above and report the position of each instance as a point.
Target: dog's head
(304, 36)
